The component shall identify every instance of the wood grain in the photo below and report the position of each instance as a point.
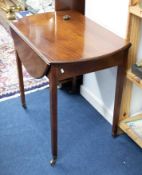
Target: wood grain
(78, 5)
(133, 37)
(129, 131)
(134, 79)
(67, 41)
(69, 48)
(35, 66)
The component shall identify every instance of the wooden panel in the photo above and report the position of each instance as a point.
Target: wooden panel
(134, 2)
(78, 5)
(136, 10)
(35, 66)
(136, 80)
(129, 131)
(133, 36)
(71, 69)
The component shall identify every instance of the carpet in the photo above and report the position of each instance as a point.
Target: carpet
(9, 87)
(86, 146)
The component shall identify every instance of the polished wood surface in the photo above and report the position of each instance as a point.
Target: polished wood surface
(67, 48)
(30, 59)
(78, 39)
(21, 82)
(78, 5)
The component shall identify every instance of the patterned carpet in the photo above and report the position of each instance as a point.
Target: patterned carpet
(9, 87)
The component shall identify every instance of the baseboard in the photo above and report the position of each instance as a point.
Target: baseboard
(96, 103)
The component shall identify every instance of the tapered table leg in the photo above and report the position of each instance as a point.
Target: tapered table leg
(21, 83)
(118, 96)
(53, 113)
(74, 84)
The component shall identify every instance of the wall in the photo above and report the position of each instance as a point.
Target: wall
(99, 88)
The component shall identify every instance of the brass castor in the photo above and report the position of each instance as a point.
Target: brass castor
(24, 106)
(53, 162)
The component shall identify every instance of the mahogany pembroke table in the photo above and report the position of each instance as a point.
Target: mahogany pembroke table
(47, 44)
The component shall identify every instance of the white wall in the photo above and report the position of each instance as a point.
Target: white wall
(99, 88)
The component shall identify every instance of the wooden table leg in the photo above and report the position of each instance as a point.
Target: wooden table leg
(21, 83)
(53, 113)
(118, 96)
(74, 84)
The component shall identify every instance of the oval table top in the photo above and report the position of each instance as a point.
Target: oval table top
(58, 40)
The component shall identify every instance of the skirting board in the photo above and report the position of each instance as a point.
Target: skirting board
(96, 103)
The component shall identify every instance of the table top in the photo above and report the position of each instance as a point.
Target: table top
(62, 41)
